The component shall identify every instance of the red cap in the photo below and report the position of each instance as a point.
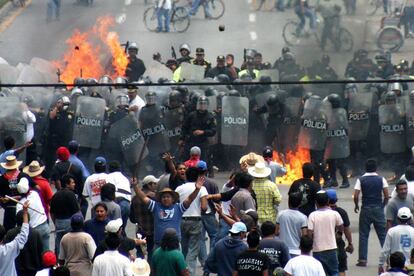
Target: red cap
(62, 153)
(49, 259)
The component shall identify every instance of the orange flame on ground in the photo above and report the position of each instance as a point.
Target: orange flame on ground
(294, 161)
(86, 52)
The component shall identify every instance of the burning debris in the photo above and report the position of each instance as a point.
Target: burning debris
(88, 53)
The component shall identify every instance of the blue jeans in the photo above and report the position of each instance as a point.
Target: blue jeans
(368, 216)
(196, 5)
(62, 227)
(210, 225)
(223, 230)
(329, 261)
(302, 17)
(44, 231)
(125, 209)
(53, 7)
(166, 14)
(190, 241)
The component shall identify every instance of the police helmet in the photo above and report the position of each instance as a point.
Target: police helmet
(234, 93)
(335, 100)
(222, 78)
(133, 46)
(390, 97)
(202, 103)
(150, 97)
(105, 79)
(185, 46)
(76, 92)
(78, 81)
(272, 100)
(210, 91)
(122, 101)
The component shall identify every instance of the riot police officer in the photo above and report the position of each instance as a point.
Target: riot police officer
(197, 127)
(58, 132)
(323, 69)
(361, 66)
(185, 51)
(201, 61)
(385, 67)
(174, 117)
(136, 67)
(219, 69)
(338, 140)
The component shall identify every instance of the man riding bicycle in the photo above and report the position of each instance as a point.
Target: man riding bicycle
(331, 19)
(196, 4)
(303, 10)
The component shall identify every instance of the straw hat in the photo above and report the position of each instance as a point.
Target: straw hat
(34, 169)
(140, 267)
(174, 194)
(251, 159)
(11, 163)
(259, 170)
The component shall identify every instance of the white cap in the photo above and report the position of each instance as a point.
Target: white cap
(23, 185)
(140, 267)
(113, 226)
(404, 213)
(149, 179)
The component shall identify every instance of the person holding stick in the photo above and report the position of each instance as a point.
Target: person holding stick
(10, 251)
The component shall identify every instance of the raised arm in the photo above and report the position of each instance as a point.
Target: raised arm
(139, 192)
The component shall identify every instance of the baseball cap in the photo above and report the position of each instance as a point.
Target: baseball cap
(149, 179)
(221, 57)
(49, 259)
(73, 144)
(332, 195)
(100, 161)
(267, 152)
(202, 165)
(404, 213)
(113, 226)
(199, 51)
(238, 227)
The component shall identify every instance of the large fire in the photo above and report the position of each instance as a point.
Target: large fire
(294, 161)
(88, 53)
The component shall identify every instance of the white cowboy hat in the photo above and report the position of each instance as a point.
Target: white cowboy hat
(140, 267)
(34, 169)
(11, 163)
(259, 170)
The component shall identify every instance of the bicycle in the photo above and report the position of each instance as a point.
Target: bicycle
(291, 36)
(19, 3)
(179, 22)
(215, 7)
(267, 5)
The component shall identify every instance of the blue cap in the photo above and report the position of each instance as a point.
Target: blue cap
(100, 161)
(202, 165)
(332, 195)
(238, 227)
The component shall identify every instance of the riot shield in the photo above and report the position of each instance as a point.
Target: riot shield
(262, 98)
(272, 73)
(12, 121)
(392, 129)
(337, 141)
(162, 94)
(235, 121)
(89, 121)
(213, 108)
(46, 68)
(312, 134)
(359, 111)
(409, 123)
(173, 123)
(191, 72)
(29, 74)
(115, 93)
(8, 74)
(289, 129)
(156, 71)
(127, 137)
(153, 128)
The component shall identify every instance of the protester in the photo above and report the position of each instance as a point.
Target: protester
(222, 259)
(252, 261)
(49, 262)
(95, 181)
(77, 249)
(304, 264)
(291, 224)
(275, 168)
(9, 251)
(374, 189)
(96, 226)
(108, 197)
(397, 264)
(73, 148)
(401, 199)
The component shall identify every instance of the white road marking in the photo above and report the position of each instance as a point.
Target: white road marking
(252, 17)
(253, 35)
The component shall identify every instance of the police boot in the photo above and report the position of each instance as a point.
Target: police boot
(345, 184)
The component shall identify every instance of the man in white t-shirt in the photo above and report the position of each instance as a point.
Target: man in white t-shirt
(304, 264)
(123, 190)
(191, 221)
(95, 181)
(322, 226)
(135, 102)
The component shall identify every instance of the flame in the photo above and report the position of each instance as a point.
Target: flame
(294, 161)
(88, 52)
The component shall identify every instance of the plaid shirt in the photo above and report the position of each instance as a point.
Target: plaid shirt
(142, 216)
(268, 198)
